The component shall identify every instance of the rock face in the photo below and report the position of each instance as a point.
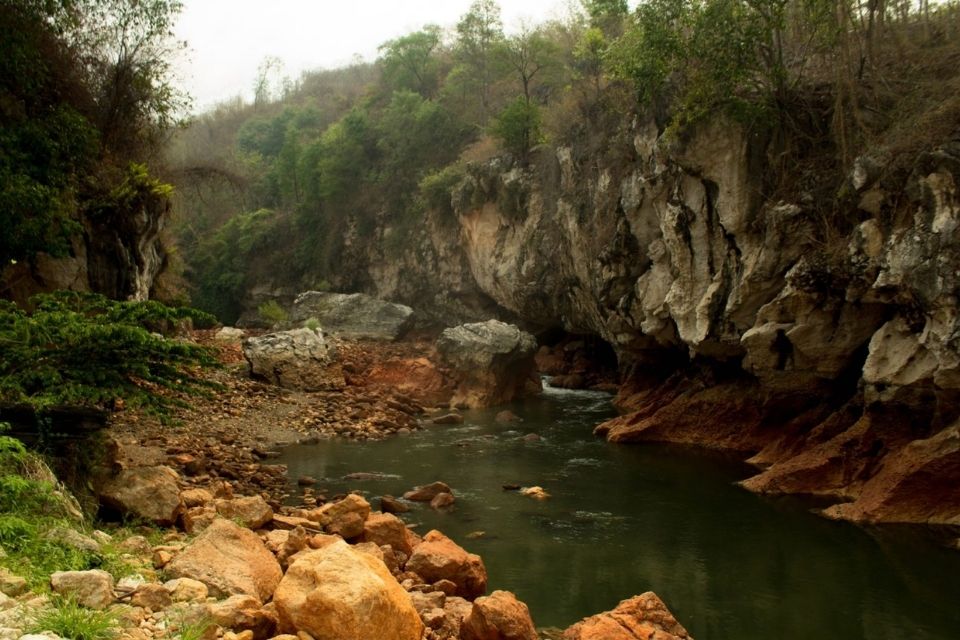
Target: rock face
(666, 250)
(440, 558)
(230, 560)
(148, 492)
(353, 315)
(295, 359)
(642, 617)
(338, 593)
(493, 361)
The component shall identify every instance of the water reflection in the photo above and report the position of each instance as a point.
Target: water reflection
(623, 520)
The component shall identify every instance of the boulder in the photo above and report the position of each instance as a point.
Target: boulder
(385, 528)
(230, 560)
(499, 616)
(427, 492)
(151, 596)
(93, 589)
(353, 315)
(296, 359)
(493, 362)
(186, 590)
(440, 558)
(244, 613)
(643, 617)
(344, 518)
(251, 511)
(442, 501)
(12, 585)
(148, 492)
(338, 593)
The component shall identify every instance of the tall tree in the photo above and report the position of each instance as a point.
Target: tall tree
(410, 61)
(479, 32)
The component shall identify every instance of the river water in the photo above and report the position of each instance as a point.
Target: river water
(622, 520)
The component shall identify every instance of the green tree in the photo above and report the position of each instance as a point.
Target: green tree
(479, 32)
(518, 127)
(529, 54)
(409, 62)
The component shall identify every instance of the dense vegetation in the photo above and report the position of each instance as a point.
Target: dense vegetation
(85, 350)
(84, 94)
(310, 168)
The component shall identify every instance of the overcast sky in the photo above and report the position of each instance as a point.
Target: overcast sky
(228, 39)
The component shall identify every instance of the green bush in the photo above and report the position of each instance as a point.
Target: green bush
(272, 312)
(518, 127)
(68, 619)
(85, 350)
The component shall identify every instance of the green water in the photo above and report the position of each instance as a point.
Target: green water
(627, 519)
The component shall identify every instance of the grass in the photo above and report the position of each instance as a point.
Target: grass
(68, 619)
(33, 503)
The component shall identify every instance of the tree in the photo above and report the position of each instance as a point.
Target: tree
(409, 62)
(478, 34)
(607, 15)
(518, 127)
(529, 53)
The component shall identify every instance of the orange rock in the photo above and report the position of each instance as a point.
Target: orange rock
(385, 528)
(440, 558)
(499, 616)
(643, 617)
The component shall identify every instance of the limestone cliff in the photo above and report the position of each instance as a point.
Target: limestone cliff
(739, 321)
(121, 258)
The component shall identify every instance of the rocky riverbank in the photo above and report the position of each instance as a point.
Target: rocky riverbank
(238, 557)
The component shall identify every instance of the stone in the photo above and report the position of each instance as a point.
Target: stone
(186, 590)
(493, 362)
(448, 418)
(353, 315)
(196, 519)
(499, 616)
(537, 493)
(442, 501)
(389, 504)
(230, 560)
(428, 492)
(93, 589)
(251, 511)
(440, 558)
(11, 584)
(385, 528)
(151, 493)
(506, 417)
(230, 334)
(643, 617)
(344, 518)
(196, 497)
(244, 613)
(151, 596)
(297, 359)
(73, 538)
(338, 593)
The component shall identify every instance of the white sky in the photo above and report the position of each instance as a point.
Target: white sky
(228, 39)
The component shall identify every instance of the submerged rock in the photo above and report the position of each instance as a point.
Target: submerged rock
(493, 362)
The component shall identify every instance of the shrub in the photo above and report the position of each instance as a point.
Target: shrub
(272, 312)
(85, 350)
(68, 619)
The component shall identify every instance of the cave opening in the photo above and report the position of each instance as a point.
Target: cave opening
(577, 360)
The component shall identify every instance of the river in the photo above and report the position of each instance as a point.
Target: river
(622, 520)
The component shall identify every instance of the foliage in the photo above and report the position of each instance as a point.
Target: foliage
(272, 312)
(220, 263)
(409, 62)
(85, 88)
(518, 126)
(76, 349)
(68, 619)
(436, 188)
(312, 323)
